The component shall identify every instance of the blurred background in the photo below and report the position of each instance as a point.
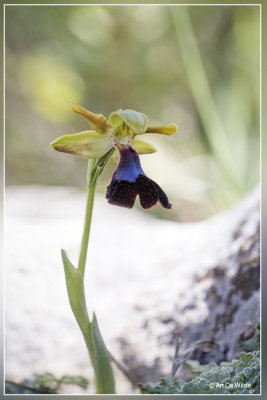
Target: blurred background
(195, 66)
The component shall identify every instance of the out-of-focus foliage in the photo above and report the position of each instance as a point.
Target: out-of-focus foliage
(195, 66)
(45, 383)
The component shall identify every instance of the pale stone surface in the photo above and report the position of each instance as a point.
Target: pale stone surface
(145, 278)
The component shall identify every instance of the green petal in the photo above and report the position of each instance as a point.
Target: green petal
(87, 144)
(169, 129)
(136, 122)
(143, 147)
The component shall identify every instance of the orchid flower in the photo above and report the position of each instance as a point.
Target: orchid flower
(116, 136)
(119, 132)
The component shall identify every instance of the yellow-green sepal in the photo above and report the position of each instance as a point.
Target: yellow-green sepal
(169, 129)
(97, 121)
(128, 121)
(86, 144)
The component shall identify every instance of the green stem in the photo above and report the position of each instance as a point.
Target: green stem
(94, 171)
(98, 352)
(87, 226)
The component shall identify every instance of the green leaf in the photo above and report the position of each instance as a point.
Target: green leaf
(103, 371)
(75, 380)
(86, 144)
(246, 357)
(196, 368)
(165, 386)
(135, 122)
(75, 288)
(47, 381)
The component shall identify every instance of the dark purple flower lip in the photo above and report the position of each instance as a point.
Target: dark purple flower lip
(129, 180)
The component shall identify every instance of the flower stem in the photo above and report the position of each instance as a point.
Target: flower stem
(94, 171)
(100, 358)
(87, 226)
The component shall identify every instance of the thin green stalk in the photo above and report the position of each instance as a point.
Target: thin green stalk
(87, 226)
(99, 355)
(94, 171)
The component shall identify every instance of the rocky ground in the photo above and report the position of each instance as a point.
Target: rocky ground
(149, 281)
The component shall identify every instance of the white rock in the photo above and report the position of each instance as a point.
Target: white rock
(139, 269)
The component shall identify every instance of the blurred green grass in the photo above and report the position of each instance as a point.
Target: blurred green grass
(195, 66)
